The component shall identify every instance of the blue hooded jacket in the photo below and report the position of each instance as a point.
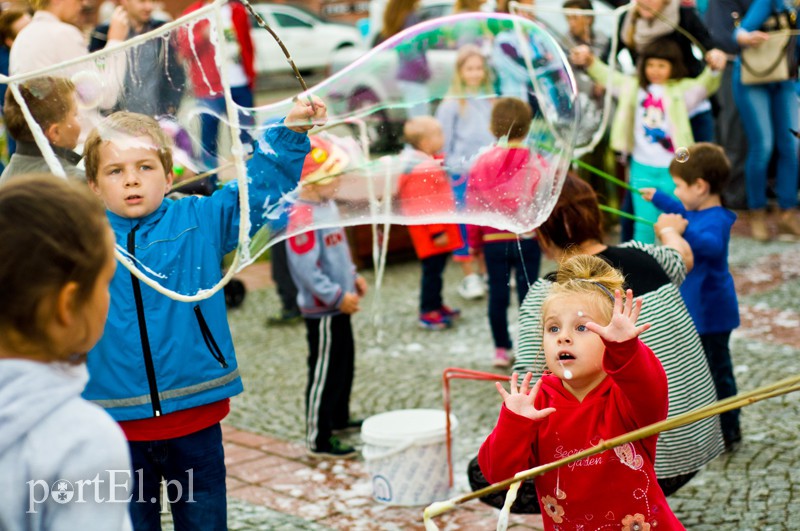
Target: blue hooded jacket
(158, 355)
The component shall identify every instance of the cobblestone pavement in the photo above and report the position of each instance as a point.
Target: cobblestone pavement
(273, 485)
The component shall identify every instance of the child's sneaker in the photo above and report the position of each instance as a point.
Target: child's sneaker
(471, 287)
(502, 358)
(450, 313)
(434, 320)
(335, 449)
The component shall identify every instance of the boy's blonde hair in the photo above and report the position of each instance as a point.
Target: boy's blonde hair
(127, 124)
(416, 129)
(48, 98)
(585, 274)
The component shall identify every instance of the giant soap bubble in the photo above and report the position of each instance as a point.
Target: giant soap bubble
(507, 183)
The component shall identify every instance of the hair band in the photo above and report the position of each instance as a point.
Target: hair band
(599, 285)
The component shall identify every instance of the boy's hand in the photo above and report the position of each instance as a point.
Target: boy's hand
(623, 321)
(581, 56)
(647, 193)
(521, 401)
(441, 240)
(668, 222)
(361, 286)
(304, 116)
(350, 303)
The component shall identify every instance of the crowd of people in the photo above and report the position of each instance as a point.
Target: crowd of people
(595, 361)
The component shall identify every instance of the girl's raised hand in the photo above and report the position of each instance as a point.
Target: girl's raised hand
(623, 321)
(581, 56)
(520, 401)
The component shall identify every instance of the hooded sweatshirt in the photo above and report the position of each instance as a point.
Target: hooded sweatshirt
(55, 450)
(613, 489)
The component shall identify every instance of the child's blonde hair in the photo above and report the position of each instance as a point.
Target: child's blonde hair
(587, 275)
(128, 124)
(458, 88)
(48, 98)
(51, 233)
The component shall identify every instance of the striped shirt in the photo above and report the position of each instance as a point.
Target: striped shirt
(674, 340)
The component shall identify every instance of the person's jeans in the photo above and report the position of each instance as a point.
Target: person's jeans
(430, 297)
(209, 123)
(523, 255)
(702, 126)
(718, 354)
(768, 112)
(194, 468)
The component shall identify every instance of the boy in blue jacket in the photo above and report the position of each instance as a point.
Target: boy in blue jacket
(708, 290)
(328, 293)
(166, 369)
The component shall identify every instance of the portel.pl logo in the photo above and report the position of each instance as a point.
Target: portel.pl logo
(113, 489)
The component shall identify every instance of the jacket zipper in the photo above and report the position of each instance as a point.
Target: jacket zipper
(209, 339)
(146, 353)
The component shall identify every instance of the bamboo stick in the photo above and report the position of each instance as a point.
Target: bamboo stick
(787, 385)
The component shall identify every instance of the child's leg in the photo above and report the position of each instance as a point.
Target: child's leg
(243, 97)
(330, 341)
(145, 507)
(461, 255)
(721, 366)
(346, 349)
(430, 297)
(209, 130)
(498, 266)
(643, 176)
(195, 474)
(526, 266)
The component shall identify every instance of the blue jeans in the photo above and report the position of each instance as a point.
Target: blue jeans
(501, 257)
(209, 123)
(703, 126)
(767, 113)
(194, 468)
(459, 185)
(718, 354)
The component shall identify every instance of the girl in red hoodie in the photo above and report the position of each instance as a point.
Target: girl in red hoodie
(602, 382)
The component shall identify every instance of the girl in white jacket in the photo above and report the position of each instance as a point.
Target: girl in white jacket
(65, 461)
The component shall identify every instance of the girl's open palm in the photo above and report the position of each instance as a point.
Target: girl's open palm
(520, 401)
(623, 321)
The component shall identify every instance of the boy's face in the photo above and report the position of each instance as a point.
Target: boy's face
(130, 179)
(691, 195)
(65, 133)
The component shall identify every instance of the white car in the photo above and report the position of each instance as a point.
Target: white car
(374, 90)
(311, 41)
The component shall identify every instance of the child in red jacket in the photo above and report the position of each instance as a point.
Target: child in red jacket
(602, 382)
(424, 190)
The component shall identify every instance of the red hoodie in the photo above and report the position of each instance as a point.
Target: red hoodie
(503, 182)
(425, 190)
(615, 489)
(202, 60)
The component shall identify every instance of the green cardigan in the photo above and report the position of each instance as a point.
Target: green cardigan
(682, 95)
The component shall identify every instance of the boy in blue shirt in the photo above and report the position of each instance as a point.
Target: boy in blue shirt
(165, 370)
(708, 289)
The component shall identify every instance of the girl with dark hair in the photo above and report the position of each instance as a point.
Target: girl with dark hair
(652, 116)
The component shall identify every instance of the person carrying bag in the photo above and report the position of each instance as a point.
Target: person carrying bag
(773, 59)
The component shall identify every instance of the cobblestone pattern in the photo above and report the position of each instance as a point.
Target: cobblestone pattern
(399, 366)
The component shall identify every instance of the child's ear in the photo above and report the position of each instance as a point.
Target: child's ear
(170, 178)
(53, 133)
(66, 304)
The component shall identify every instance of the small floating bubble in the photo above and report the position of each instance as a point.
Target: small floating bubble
(682, 154)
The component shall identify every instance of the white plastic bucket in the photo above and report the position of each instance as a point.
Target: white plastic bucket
(406, 456)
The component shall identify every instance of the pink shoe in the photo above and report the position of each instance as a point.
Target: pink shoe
(434, 320)
(502, 358)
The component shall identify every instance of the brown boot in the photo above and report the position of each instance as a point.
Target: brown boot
(788, 223)
(758, 225)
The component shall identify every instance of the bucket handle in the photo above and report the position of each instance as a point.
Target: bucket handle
(394, 450)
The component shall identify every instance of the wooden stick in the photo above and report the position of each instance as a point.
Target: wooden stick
(787, 385)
